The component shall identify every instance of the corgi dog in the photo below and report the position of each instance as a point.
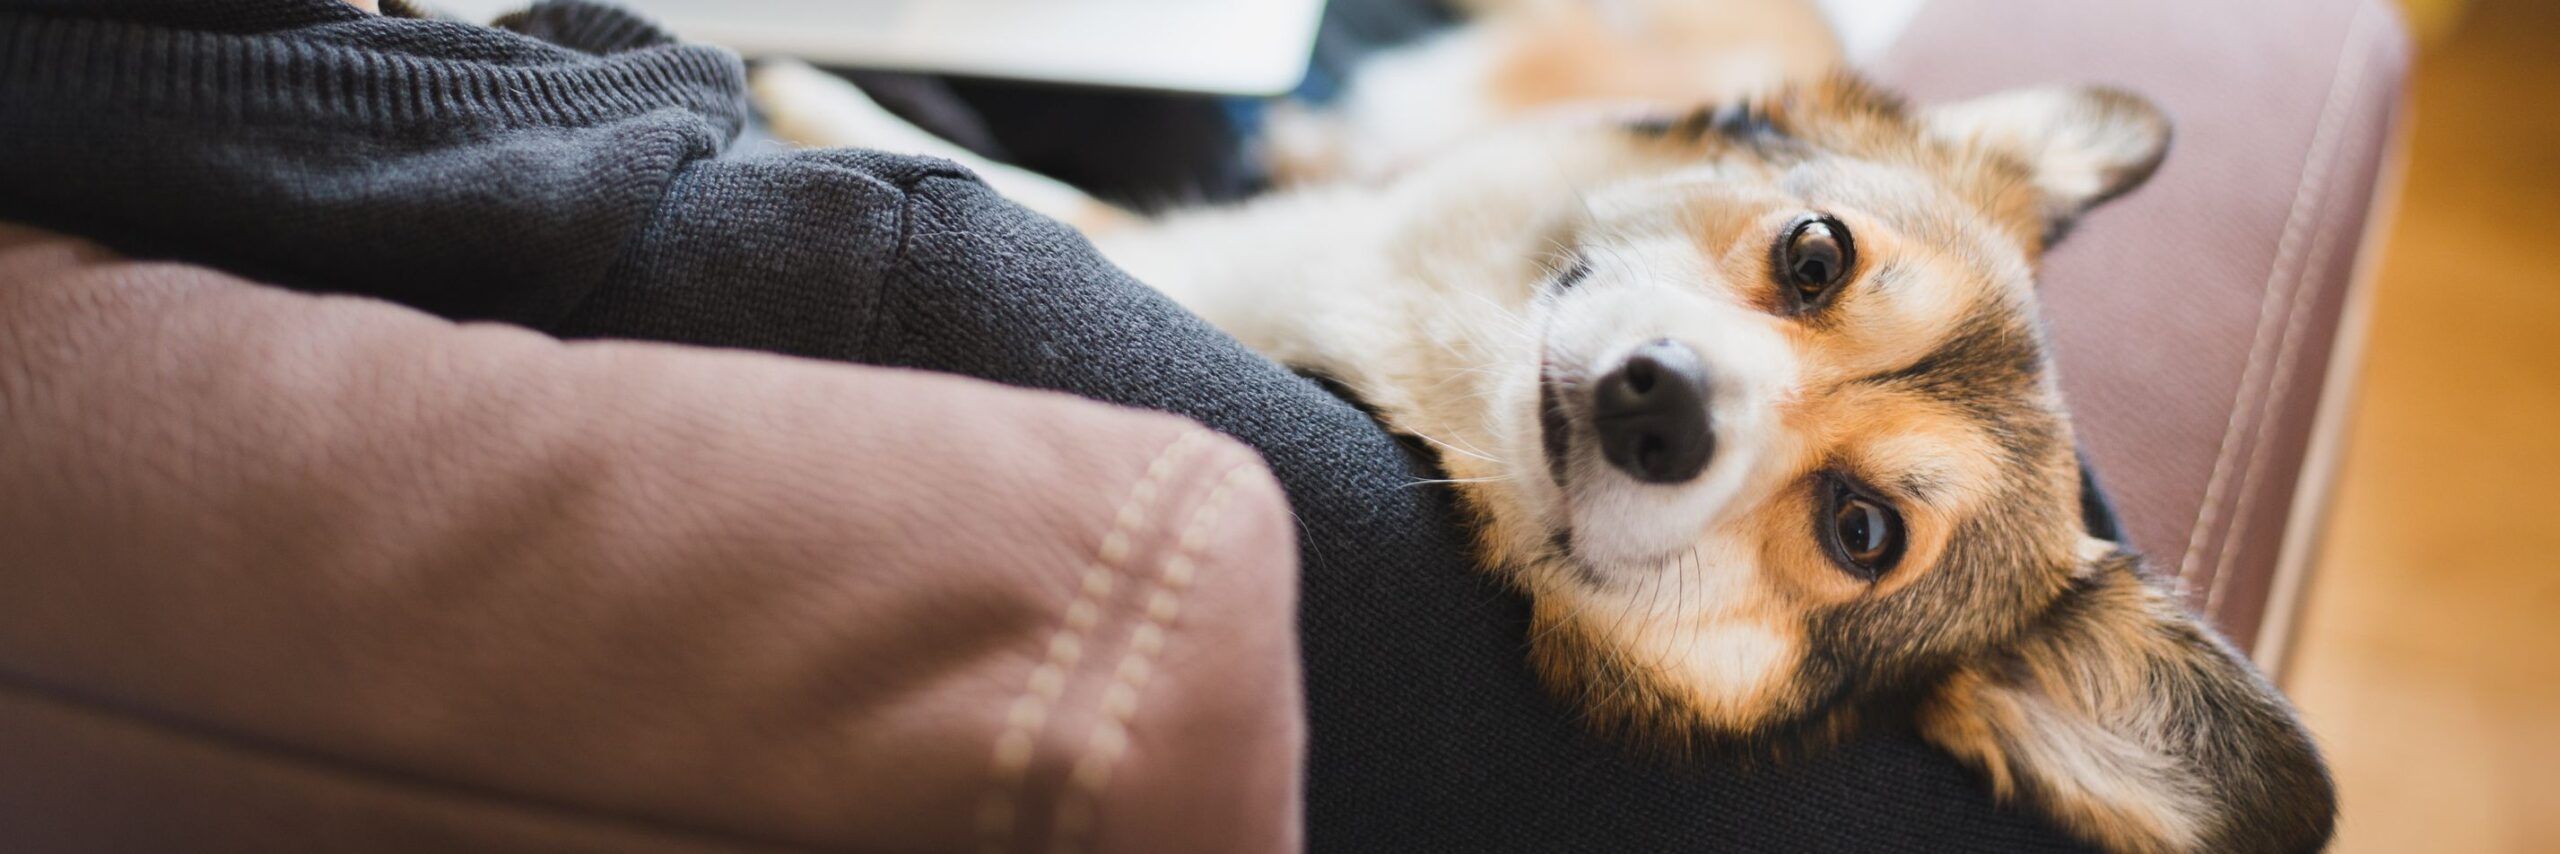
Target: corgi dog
(1753, 402)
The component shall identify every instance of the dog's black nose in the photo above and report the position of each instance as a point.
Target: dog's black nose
(1651, 414)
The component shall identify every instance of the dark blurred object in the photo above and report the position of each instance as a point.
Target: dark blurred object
(1142, 150)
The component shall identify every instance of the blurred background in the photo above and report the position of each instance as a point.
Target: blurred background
(2426, 659)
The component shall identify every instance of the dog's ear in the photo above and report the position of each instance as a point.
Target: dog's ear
(2080, 145)
(2135, 727)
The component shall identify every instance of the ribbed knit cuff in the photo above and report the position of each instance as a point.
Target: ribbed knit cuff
(321, 62)
(222, 16)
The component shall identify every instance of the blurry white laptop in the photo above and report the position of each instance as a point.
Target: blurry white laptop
(1235, 47)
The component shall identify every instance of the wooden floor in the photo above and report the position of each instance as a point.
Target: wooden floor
(2429, 659)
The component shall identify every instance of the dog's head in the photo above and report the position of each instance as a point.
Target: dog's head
(1799, 460)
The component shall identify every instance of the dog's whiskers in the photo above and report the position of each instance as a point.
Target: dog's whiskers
(1455, 449)
(1493, 478)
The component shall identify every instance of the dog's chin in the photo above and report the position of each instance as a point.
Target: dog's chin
(1580, 536)
(1610, 557)
(1605, 573)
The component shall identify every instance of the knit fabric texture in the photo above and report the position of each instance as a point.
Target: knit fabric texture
(586, 183)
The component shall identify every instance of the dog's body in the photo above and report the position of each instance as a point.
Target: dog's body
(1754, 404)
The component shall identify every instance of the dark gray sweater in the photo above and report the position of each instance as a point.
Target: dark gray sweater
(580, 176)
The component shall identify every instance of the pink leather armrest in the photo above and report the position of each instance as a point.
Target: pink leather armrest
(282, 572)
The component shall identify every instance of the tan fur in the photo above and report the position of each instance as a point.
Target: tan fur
(1519, 59)
(1653, 52)
(2125, 791)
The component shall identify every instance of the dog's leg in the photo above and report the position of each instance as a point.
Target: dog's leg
(1316, 276)
(814, 109)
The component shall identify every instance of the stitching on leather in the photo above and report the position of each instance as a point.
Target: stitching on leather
(2287, 352)
(1029, 711)
(2307, 190)
(1163, 602)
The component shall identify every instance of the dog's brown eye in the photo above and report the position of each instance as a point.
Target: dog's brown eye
(1814, 258)
(1863, 535)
